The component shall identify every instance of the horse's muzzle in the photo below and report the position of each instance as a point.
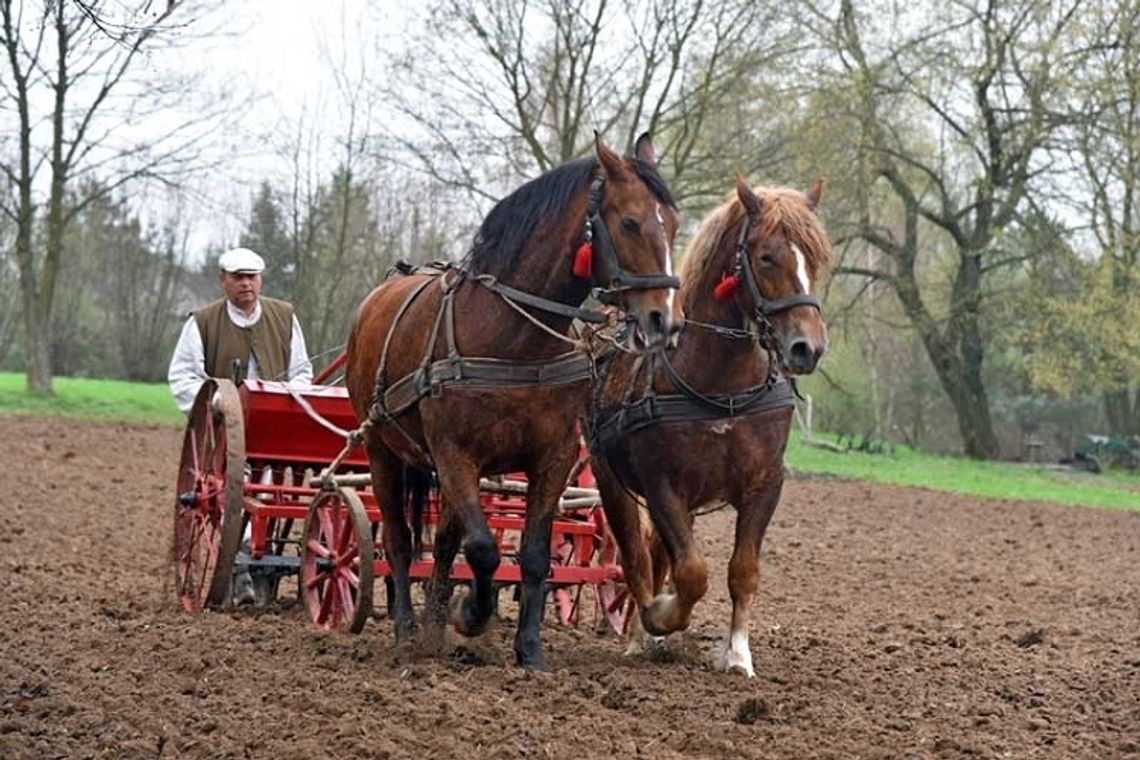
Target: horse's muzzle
(803, 356)
(656, 330)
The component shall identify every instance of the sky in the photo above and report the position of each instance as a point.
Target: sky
(278, 54)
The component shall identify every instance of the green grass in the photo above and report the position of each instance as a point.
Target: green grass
(151, 403)
(84, 398)
(997, 480)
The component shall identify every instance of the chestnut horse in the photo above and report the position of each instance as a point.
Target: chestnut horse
(465, 370)
(708, 424)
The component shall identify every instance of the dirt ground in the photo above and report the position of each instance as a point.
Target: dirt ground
(892, 623)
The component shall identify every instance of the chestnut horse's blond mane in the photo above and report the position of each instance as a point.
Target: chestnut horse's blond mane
(785, 210)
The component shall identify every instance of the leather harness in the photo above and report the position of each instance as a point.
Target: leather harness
(690, 405)
(390, 401)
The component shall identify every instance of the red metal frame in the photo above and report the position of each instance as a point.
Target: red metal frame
(280, 434)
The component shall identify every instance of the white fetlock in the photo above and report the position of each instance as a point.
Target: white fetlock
(735, 656)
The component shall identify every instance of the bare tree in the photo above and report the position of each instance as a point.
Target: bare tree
(952, 118)
(71, 82)
(497, 91)
(9, 284)
(1088, 338)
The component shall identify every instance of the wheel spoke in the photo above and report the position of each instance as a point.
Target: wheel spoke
(346, 605)
(196, 459)
(317, 579)
(209, 547)
(210, 425)
(327, 531)
(346, 536)
(316, 547)
(347, 556)
(326, 603)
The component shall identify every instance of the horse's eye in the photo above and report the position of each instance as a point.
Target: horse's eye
(768, 260)
(630, 225)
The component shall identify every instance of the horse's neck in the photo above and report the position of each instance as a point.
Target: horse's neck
(487, 325)
(716, 363)
(544, 270)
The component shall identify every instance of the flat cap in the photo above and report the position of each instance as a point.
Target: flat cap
(241, 260)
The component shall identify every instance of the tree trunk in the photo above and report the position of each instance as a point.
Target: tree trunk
(974, 420)
(959, 370)
(38, 373)
(1122, 408)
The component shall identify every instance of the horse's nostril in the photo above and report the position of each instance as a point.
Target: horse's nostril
(803, 355)
(659, 323)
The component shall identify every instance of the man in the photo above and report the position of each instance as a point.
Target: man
(261, 336)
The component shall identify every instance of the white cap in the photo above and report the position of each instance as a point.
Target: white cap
(241, 260)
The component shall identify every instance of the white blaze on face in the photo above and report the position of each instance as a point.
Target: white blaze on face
(668, 254)
(801, 269)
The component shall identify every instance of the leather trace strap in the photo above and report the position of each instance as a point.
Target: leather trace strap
(432, 376)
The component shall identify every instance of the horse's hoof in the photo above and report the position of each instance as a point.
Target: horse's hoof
(463, 621)
(405, 631)
(730, 661)
(531, 661)
(660, 618)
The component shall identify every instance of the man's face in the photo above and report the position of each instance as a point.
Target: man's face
(241, 289)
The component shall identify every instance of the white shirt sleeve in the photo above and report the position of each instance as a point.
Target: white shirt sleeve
(300, 367)
(187, 367)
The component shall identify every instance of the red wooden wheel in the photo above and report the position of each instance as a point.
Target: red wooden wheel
(337, 561)
(208, 505)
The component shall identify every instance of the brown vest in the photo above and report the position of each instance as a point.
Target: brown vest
(268, 340)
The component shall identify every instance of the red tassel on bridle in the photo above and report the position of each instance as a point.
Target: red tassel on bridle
(727, 287)
(584, 261)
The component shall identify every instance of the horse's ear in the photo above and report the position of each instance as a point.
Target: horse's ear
(611, 162)
(643, 149)
(814, 193)
(751, 201)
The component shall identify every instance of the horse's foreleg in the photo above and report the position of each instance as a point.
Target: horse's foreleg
(543, 489)
(670, 612)
(624, 518)
(459, 485)
(752, 519)
(639, 641)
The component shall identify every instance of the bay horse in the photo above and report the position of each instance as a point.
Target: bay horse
(464, 369)
(708, 423)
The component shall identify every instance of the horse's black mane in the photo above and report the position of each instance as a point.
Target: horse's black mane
(654, 181)
(503, 234)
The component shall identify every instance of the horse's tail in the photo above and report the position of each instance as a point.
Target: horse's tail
(418, 484)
